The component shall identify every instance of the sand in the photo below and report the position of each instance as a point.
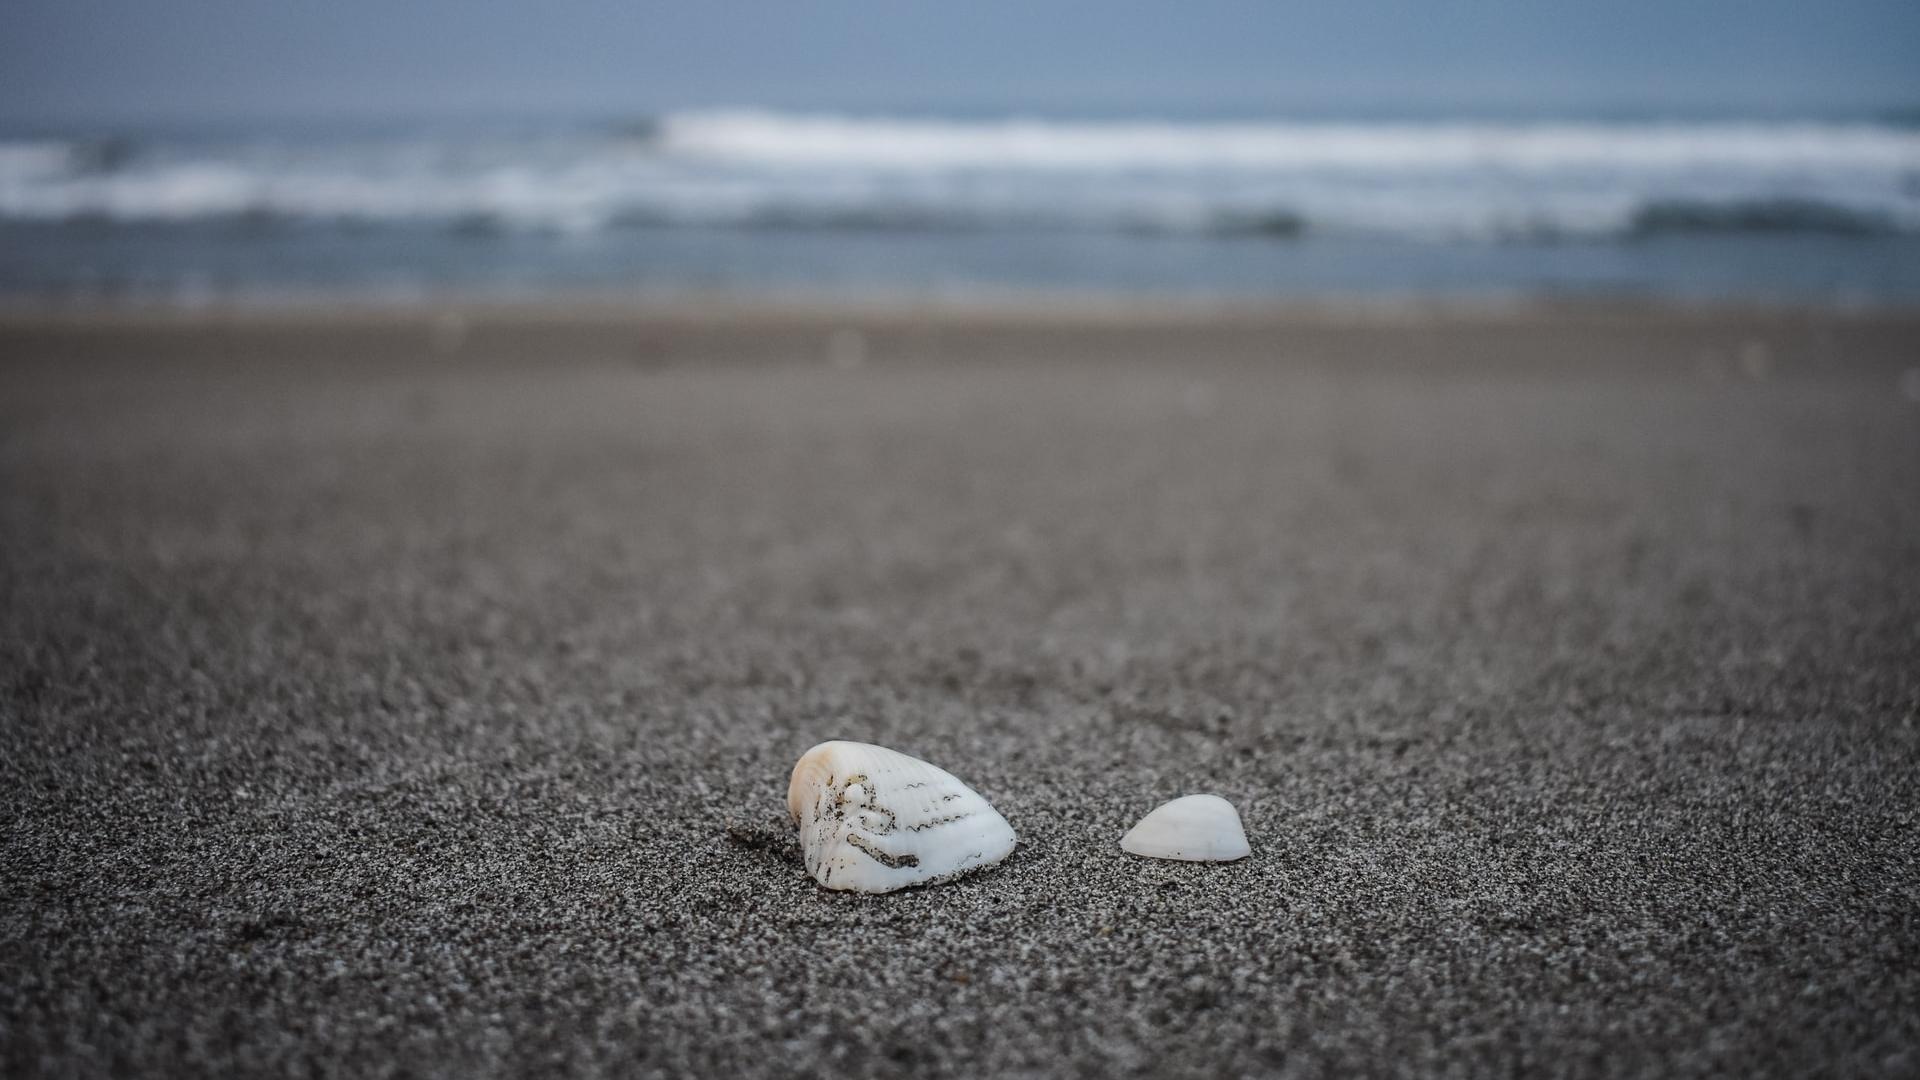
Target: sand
(412, 693)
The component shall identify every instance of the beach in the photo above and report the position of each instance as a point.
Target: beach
(411, 690)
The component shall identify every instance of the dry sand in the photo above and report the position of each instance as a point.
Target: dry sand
(411, 694)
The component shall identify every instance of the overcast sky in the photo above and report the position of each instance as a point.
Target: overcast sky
(133, 59)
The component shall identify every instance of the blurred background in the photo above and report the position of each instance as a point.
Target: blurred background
(217, 149)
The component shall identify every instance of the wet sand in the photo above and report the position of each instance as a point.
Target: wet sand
(412, 693)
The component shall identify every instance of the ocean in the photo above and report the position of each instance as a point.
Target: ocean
(754, 202)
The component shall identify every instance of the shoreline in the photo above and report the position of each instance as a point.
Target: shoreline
(1023, 307)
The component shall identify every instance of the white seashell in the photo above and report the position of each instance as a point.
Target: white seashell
(875, 820)
(1194, 828)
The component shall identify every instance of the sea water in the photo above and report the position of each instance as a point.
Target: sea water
(753, 201)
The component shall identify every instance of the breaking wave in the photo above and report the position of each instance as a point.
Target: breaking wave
(1447, 181)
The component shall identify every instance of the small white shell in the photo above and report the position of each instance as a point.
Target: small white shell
(875, 820)
(1193, 828)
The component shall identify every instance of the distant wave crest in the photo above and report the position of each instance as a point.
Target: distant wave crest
(780, 139)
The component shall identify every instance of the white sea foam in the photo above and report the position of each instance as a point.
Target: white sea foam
(737, 169)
